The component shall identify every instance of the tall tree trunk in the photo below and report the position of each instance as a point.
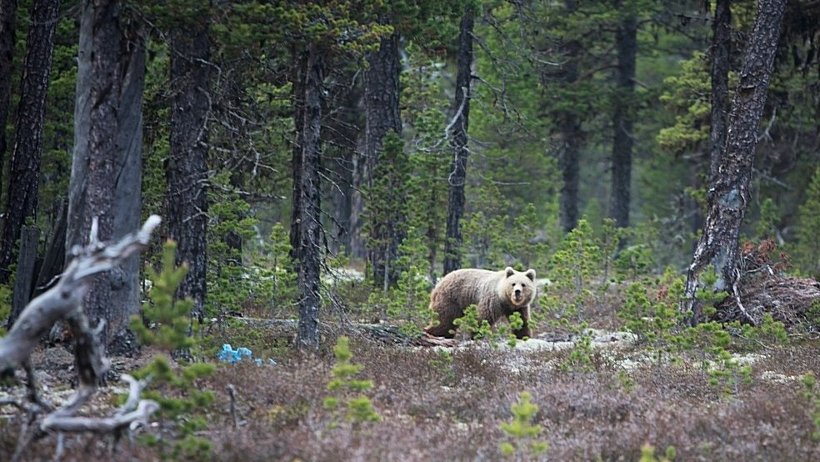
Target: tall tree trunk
(107, 162)
(729, 191)
(28, 145)
(8, 19)
(458, 172)
(298, 66)
(623, 117)
(721, 45)
(310, 254)
(382, 116)
(569, 124)
(187, 168)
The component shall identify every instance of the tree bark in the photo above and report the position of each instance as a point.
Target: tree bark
(107, 161)
(569, 125)
(458, 173)
(310, 254)
(28, 145)
(299, 64)
(8, 19)
(24, 278)
(187, 168)
(623, 117)
(54, 259)
(728, 194)
(382, 115)
(721, 46)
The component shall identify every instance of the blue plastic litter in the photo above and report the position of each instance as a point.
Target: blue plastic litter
(231, 356)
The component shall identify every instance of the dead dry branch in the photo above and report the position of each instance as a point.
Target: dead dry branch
(63, 302)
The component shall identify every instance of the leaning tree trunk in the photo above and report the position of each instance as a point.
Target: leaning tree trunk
(28, 145)
(721, 45)
(8, 16)
(187, 169)
(623, 118)
(310, 227)
(458, 173)
(729, 191)
(107, 162)
(382, 116)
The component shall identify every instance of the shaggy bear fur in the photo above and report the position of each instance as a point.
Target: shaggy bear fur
(495, 294)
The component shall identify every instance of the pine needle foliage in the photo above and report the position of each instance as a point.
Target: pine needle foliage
(167, 327)
(522, 433)
(347, 400)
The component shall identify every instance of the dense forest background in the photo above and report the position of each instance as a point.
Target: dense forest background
(402, 139)
(318, 166)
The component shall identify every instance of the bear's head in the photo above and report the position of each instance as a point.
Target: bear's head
(518, 287)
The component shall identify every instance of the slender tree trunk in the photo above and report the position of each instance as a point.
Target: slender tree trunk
(458, 173)
(107, 161)
(569, 164)
(721, 46)
(310, 255)
(623, 117)
(187, 168)
(729, 191)
(570, 135)
(382, 115)
(54, 259)
(346, 126)
(299, 65)
(8, 19)
(28, 145)
(24, 279)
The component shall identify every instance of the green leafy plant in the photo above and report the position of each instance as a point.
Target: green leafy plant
(347, 400)
(522, 433)
(167, 326)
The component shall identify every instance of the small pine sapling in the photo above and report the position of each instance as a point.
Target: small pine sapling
(522, 433)
(169, 325)
(470, 325)
(648, 454)
(812, 394)
(347, 400)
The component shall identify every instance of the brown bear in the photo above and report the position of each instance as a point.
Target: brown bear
(495, 294)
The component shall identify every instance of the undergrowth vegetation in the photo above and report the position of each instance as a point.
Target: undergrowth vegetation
(715, 391)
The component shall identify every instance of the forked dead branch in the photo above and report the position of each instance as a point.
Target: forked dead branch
(63, 302)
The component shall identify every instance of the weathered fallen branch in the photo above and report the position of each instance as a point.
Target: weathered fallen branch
(133, 413)
(63, 302)
(65, 298)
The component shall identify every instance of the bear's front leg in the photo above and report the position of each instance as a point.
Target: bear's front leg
(524, 331)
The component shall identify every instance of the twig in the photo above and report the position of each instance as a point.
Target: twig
(234, 413)
(737, 299)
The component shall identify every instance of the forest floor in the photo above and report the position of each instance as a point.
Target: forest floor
(604, 402)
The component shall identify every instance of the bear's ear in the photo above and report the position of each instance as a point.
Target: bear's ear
(509, 271)
(530, 274)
